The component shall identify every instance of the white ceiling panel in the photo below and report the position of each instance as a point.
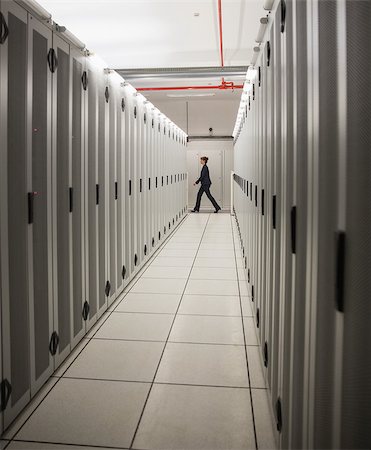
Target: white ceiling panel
(152, 33)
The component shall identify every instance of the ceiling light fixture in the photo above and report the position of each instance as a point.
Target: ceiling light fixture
(262, 28)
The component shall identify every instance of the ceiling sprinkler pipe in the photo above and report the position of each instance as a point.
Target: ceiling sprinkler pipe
(220, 32)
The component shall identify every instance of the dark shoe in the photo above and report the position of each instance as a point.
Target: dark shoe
(194, 210)
(216, 211)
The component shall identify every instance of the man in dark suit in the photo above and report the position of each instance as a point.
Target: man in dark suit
(205, 186)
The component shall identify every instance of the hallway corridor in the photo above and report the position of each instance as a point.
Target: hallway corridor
(166, 366)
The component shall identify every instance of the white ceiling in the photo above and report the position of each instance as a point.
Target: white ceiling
(161, 33)
(130, 34)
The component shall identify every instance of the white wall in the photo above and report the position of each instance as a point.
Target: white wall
(202, 115)
(220, 154)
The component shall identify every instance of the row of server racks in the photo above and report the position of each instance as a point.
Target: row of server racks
(92, 181)
(302, 186)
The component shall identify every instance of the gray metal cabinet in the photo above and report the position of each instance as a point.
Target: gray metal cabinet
(39, 163)
(61, 198)
(15, 231)
(355, 161)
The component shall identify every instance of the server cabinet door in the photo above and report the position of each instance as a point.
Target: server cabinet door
(102, 192)
(300, 189)
(14, 212)
(356, 414)
(134, 182)
(112, 187)
(276, 60)
(128, 258)
(62, 235)
(121, 189)
(77, 196)
(39, 166)
(92, 195)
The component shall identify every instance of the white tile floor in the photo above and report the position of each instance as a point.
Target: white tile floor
(166, 368)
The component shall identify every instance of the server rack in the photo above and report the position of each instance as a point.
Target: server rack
(71, 158)
(304, 140)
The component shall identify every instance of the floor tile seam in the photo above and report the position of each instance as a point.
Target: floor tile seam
(115, 380)
(171, 342)
(179, 314)
(163, 350)
(191, 279)
(103, 321)
(71, 445)
(247, 361)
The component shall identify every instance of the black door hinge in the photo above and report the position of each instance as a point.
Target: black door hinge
(153, 242)
(252, 293)
(129, 187)
(145, 250)
(5, 392)
(97, 194)
(279, 414)
(258, 318)
(251, 191)
(53, 344)
(265, 354)
(149, 184)
(123, 272)
(340, 270)
(263, 202)
(135, 259)
(274, 209)
(135, 112)
(293, 229)
(4, 30)
(116, 190)
(122, 104)
(106, 94)
(71, 199)
(248, 275)
(253, 91)
(52, 60)
(84, 80)
(107, 289)
(85, 311)
(140, 185)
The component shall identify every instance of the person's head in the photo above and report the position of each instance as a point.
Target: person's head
(204, 160)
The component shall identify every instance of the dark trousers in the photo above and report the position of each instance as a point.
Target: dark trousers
(205, 189)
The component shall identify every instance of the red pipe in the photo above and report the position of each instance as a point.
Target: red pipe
(220, 31)
(224, 86)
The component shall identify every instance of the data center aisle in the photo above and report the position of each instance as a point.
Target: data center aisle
(166, 367)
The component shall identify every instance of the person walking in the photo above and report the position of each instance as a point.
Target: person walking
(205, 186)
